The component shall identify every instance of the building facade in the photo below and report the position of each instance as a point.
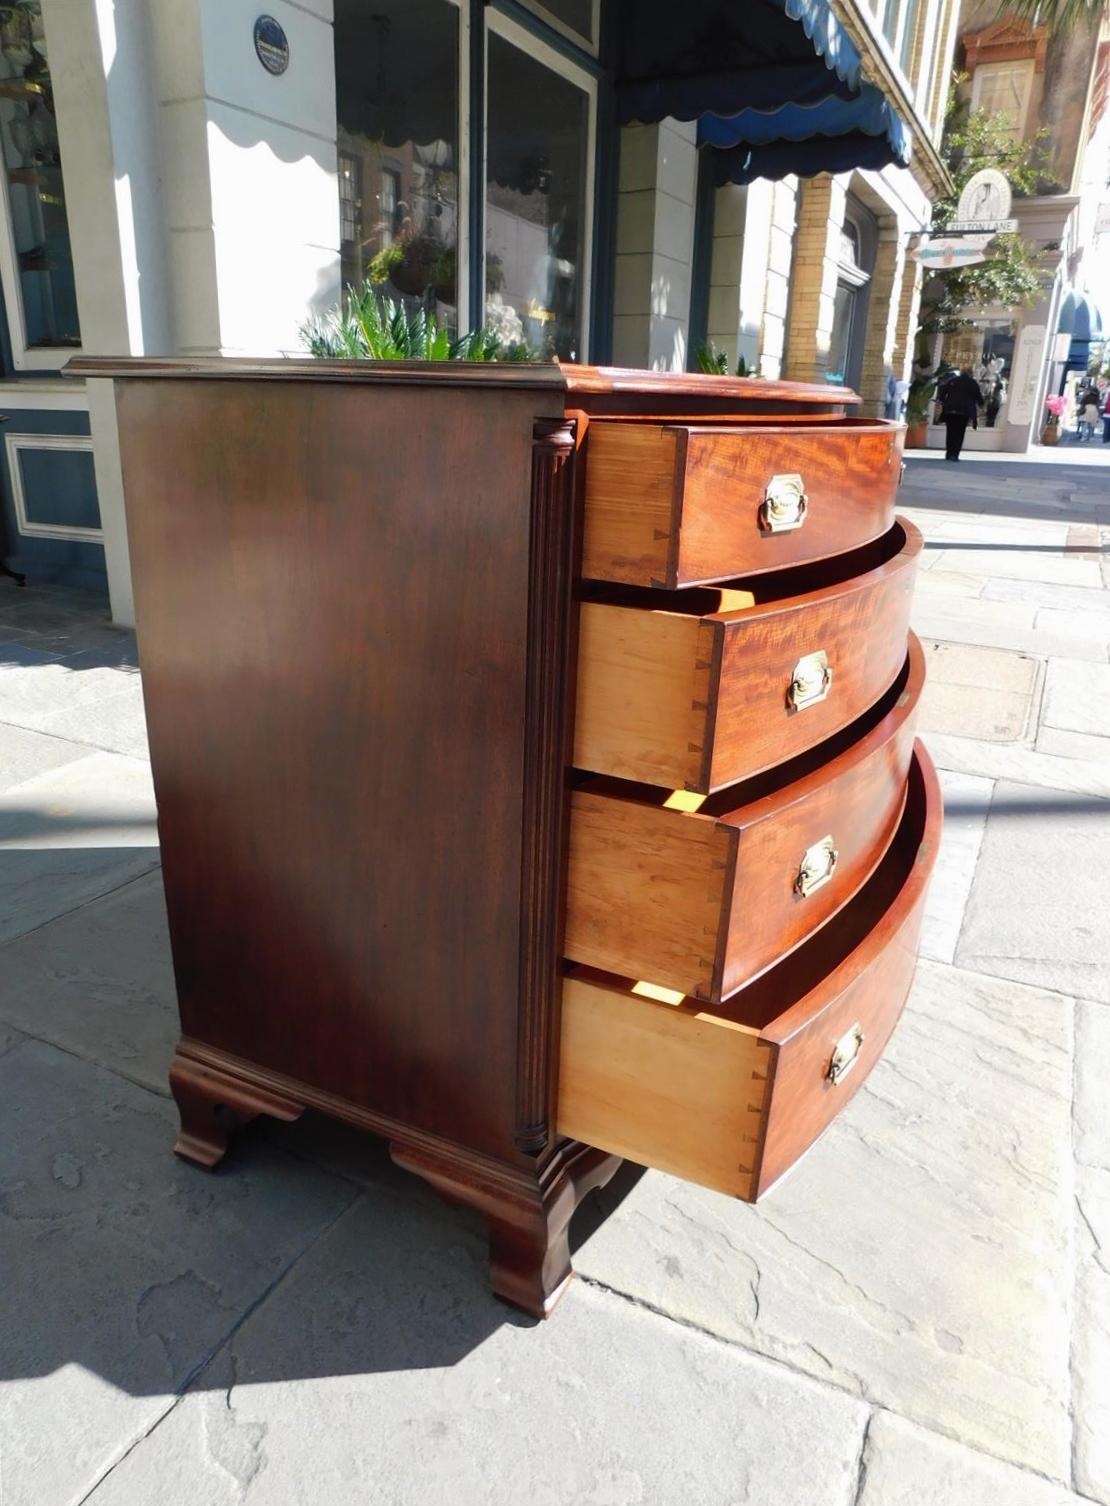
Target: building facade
(1024, 74)
(199, 177)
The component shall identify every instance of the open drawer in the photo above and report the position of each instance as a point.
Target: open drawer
(698, 689)
(731, 1097)
(701, 894)
(678, 504)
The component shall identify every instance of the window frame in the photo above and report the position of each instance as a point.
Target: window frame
(1027, 68)
(525, 40)
(588, 44)
(25, 357)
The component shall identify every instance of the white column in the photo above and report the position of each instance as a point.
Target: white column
(249, 163)
(655, 244)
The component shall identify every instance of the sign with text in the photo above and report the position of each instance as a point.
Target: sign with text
(986, 197)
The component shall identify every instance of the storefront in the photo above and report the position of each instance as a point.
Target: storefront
(604, 180)
(49, 515)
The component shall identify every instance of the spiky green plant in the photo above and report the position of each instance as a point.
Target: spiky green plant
(368, 327)
(711, 361)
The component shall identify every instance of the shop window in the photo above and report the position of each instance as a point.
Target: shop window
(397, 99)
(350, 200)
(577, 18)
(36, 259)
(856, 261)
(1004, 89)
(987, 347)
(539, 171)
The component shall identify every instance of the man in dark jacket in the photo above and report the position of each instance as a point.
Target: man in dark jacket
(960, 401)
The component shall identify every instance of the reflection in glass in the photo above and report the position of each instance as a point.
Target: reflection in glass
(576, 15)
(538, 125)
(33, 172)
(396, 79)
(844, 308)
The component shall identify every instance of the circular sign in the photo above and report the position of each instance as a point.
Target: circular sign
(271, 45)
(986, 196)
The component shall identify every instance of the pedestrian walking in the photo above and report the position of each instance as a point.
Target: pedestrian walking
(960, 401)
(1090, 414)
(1106, 416)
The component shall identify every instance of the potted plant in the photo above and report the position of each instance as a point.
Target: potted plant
(918, 401)
(1050, 434)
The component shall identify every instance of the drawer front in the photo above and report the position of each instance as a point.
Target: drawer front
(701, 702)
(677, 505)
(731, 1099)
(701, 900)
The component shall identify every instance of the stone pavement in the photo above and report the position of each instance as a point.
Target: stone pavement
(919, 1315)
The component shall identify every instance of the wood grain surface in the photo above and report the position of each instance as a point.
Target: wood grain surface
(676, 506)
(703, 899)
(674, 692)
(731, 1097)
(333, 629)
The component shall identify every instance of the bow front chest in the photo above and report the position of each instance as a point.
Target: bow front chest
(535, 763)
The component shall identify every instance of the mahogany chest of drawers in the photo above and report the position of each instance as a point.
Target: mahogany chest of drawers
(535, 763)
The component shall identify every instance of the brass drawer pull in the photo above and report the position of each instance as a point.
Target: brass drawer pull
(810, 682)
(845, 1055)
(817, 867)
(784, 504)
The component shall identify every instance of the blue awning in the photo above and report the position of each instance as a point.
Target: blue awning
(1080, 318)
(775, 85)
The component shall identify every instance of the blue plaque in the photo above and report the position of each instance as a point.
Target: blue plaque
(271, 44)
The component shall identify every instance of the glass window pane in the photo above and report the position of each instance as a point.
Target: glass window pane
(396, 81)
(843, 312)
(29, 136)
(907, 36)
(538, 134)
(576, 15)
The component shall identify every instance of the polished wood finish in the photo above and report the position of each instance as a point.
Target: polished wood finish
(731, 1097)
(360, 623)
(703, 895)
(675, 506)
(675, 692)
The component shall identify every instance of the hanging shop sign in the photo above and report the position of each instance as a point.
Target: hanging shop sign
(945, 251)
(271, 44)
(986, 199)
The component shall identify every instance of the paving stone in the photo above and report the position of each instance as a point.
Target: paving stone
(945, 584)
(1007, 625)
(415, 1388)
(1091, 1333)
(1067, 598)
(99, 982)
(983, 693)
(71, 834)
(1024, 564)
(906, 1466)
(1070, 622)
(1092, 1075)
(1024, 765)
(966, 801)
(921, 1254)
(124, 1268)
(1077, 698)
(1086, 745)
(1039, 904)
(116, 723)
(38, 694)
(9, 1038)
(24, 754)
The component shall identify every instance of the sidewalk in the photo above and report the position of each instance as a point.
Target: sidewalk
(919, 1316)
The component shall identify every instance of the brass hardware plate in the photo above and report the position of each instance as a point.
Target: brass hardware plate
(810, 681)
(784, 504)
(845, 1055)
(817, 866)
